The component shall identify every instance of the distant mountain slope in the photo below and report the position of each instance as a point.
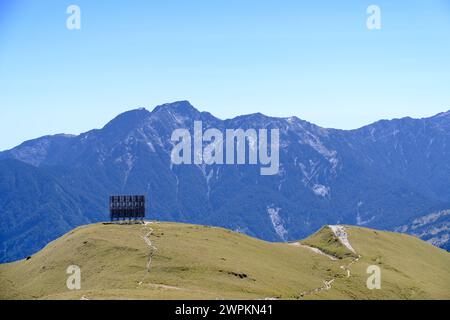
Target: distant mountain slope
(195, 262)
(433, 227)
(35, 209)
(383, 175)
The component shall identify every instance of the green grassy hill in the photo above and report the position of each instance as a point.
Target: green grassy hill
(196, 262)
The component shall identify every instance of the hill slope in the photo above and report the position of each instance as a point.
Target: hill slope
(198, 262)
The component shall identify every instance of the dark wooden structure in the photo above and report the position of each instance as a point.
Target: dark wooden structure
(127, 207)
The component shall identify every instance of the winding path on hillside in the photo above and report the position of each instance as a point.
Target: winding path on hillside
(313, 249)
(341, 234)
(148, 242)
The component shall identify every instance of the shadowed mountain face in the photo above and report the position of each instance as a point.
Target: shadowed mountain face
(385, 175)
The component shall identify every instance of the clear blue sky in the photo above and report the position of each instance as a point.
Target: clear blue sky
(315, 60)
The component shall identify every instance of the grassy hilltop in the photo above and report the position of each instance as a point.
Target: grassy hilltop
(196, 262)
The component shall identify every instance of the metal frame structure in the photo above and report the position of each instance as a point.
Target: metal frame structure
(127, 207)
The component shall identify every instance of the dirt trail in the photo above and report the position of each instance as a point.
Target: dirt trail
(341, 234)
(326, 286)
(316, 250)
(148, 242)
(347, 267)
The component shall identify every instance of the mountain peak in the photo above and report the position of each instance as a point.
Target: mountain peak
(252, 117)
(180, 107)
(128, 119)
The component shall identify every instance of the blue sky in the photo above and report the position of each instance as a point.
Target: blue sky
(316, 60)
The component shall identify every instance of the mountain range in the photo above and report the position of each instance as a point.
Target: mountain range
(390, 175)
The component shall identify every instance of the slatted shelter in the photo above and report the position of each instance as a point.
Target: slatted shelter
(127, 207)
